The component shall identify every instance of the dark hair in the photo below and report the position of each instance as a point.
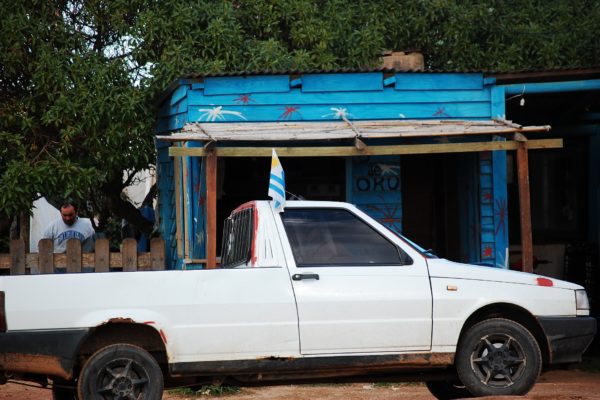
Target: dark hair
(69, 203)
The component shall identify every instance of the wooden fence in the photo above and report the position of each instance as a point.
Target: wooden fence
(18, 262)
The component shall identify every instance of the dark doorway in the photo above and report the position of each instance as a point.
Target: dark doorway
(430, 202)
(242, 179)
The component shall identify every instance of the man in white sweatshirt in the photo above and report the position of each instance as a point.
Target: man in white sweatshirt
(70, 226)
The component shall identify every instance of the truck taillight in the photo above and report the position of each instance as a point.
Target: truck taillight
(2, 313)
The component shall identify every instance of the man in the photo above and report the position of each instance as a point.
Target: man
(70, 226)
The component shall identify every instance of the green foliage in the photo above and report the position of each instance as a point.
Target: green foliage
(78, 78)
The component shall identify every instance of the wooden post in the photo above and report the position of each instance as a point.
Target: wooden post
(524, 203)
(102, 255)
(17, 257)
(186, 207)
(73, 255)
(129, 255)
(211, 210)
(157, 254)
(46, 256)
(178, 217)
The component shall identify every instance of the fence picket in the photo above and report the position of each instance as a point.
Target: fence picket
(17, 257)
(102, 256)
(129, 255)
(73, 255)
(46, 257)
(19, 262)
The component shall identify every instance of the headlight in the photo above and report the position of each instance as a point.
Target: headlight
(581, 300)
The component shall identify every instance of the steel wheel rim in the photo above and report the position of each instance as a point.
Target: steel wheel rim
(122, 379)
(498, 360)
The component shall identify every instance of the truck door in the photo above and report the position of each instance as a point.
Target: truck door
(357, 290)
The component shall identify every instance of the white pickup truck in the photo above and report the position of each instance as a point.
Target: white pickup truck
(319, 292)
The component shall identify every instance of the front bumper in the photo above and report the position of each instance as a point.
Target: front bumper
(568, 337)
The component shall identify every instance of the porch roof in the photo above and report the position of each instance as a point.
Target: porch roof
(343, 129)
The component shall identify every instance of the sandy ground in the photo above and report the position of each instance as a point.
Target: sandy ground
(555, 385)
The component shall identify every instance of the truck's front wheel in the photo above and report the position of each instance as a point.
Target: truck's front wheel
(498, 357)
(120, 371)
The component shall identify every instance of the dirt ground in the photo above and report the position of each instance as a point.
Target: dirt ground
(554, 385)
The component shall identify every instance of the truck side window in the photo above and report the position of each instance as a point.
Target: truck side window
(337, 237)
(237, 239)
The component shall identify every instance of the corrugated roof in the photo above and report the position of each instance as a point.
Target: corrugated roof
(502, 77)
(488, 72)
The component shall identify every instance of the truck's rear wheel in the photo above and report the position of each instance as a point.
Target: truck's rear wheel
(498, 357)
(120, 371)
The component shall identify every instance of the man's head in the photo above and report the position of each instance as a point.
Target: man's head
(68, 212)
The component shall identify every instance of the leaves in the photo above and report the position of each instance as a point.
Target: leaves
(78, 78)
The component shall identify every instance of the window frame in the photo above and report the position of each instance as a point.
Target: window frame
(404, 259)
(242, 252)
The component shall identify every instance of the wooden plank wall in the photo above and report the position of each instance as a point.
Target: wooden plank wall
(18, 262)
(337, 96)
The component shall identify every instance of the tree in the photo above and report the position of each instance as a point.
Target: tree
(78, 79)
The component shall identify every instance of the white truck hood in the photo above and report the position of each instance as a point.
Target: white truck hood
(441, 268)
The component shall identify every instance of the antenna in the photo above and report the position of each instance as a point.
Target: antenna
(293, 196)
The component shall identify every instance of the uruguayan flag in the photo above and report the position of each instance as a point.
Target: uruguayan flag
(277, 183)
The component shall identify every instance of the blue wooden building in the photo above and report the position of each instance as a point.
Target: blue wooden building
(425, 153)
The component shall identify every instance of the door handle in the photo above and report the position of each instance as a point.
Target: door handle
(299, 277)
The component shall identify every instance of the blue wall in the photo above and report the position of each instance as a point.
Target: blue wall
(356, 96)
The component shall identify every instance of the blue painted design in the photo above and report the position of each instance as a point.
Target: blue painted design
(166, 198)
(443, 81)
(197, 188)
(497, 102)
(244, 99)
(349, 82)
(500, 207)
(179, 94)
(261, 113)
(386, 96)
(246, 84)
(218, 114)
(290, 112)
(375, 187)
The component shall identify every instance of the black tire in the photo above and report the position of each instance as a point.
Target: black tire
(498, 357)
(120, 372)
(445, 390)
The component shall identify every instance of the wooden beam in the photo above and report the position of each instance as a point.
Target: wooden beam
(178, 217)
(211, 210)
(186, 208)
(346, 151)
(524, 205)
